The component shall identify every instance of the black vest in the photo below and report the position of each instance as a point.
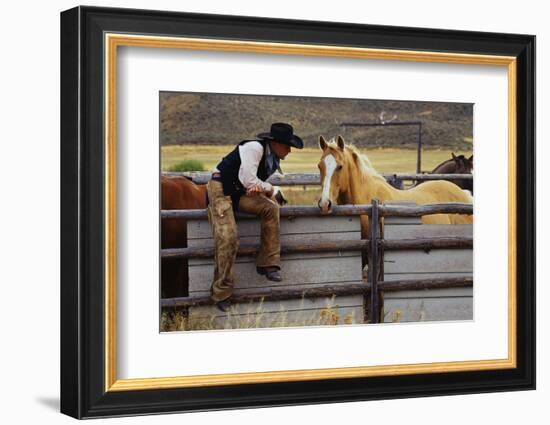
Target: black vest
(229, 170)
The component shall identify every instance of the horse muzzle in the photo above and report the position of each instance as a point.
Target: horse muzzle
(325, 206)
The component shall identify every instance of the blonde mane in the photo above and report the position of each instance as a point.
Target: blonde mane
(366, 169)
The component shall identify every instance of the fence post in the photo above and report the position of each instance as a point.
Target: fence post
(373, 262)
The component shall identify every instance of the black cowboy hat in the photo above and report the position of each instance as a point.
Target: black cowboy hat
(283, 133)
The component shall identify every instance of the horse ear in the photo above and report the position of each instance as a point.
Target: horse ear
(453, 155)
(341, 143)
(471, 159)
(322, 143)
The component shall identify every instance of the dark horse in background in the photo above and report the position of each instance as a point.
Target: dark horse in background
(458, 164)
(177, 193)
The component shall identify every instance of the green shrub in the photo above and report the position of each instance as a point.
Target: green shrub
(188, 165)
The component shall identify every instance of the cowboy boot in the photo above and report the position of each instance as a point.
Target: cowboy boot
(272, 274)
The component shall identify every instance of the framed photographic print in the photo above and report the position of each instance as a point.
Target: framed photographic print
(261, 212)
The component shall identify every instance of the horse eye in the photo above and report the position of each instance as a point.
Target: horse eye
(339, 168)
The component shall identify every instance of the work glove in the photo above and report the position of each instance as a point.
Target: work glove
(278, 196)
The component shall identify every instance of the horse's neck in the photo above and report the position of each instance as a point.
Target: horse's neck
(447, 167)
(364, 187)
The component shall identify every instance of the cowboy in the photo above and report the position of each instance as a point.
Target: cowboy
(239, 184)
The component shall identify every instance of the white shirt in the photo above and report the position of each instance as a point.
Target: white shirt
(251, 154)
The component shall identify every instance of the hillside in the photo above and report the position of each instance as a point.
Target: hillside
(215, 119)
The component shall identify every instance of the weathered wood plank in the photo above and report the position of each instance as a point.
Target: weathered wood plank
(426, 243)
(419, 276)
(427, 177)
(428, 309)
(421, 210)
(436, 261)
(399, 221)
(423, 284)
(293, 257)
(419, 281)
(284, 239)
(272, 294)
(295, 247)
(302, 270)
(282, 291)
(292, 179)
(331, 289)
(295, 226)
(290, 305)
(427, 231)
(346, 210)
(430, 293)
(287, 211)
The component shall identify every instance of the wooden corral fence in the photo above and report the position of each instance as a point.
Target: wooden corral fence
(323, 265)
(312, 179)
(440, 272)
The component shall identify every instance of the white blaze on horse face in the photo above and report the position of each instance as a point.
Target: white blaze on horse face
(330, 166)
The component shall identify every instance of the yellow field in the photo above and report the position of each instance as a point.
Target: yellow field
(305, 160)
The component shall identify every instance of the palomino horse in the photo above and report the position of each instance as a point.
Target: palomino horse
(347, 177)
(177, 193)
(457, 165)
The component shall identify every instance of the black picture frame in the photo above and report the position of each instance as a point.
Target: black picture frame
(83, 393)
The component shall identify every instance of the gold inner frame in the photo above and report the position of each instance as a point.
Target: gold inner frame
(113, 41)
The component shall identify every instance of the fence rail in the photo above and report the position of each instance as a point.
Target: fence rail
(341, 210)
(327, 246)
(324, 291)
(311, 179)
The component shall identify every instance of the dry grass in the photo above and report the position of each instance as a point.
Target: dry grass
(302, 195)
(255, 316)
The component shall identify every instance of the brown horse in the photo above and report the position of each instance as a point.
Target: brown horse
(457, 165)
(177, 193)
(347, 177)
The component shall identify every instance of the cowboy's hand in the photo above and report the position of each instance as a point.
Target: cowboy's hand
(254, 190)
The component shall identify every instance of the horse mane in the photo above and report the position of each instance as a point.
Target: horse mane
(361, 160)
